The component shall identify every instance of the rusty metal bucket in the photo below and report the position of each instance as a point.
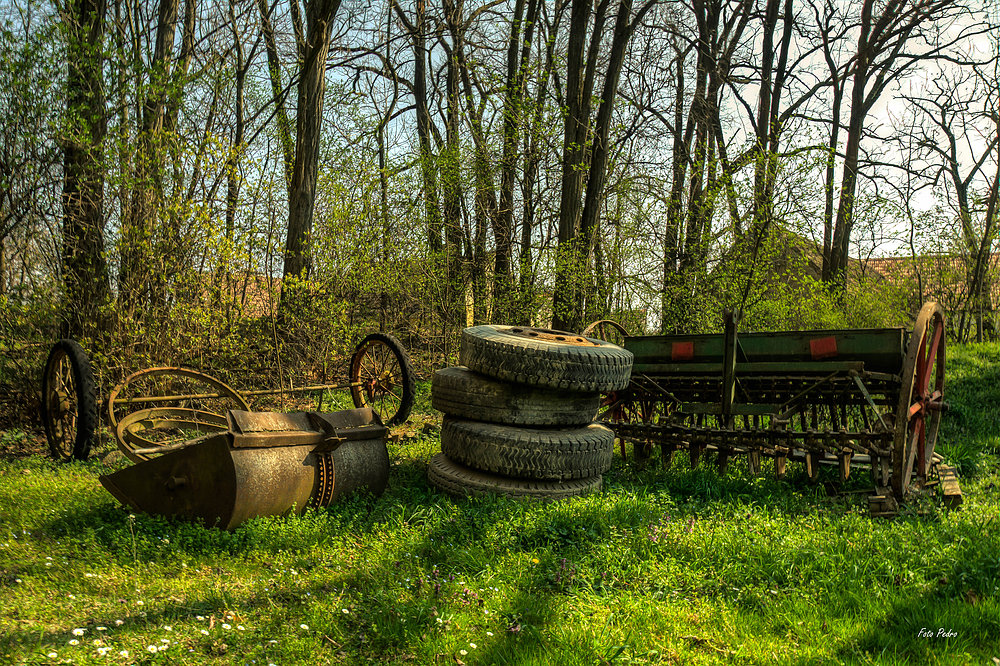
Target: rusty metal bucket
(264, 464)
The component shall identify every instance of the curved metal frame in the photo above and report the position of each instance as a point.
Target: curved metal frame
(137, 448)
(127, 439)
(596, 330)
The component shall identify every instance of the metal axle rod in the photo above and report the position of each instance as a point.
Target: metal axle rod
(199, 396)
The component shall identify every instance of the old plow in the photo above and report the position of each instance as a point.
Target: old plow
(201, 452)
(840, 398)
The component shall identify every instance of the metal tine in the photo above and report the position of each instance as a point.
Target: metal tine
(695, 448)
(864, 416)
(845, 465)
(667, 453)
(834, 415)
(755, 444)
(722, 461)
(721, 457)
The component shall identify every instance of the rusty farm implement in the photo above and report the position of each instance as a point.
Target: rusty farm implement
(200, 452)
(380, 376)
(843, 398)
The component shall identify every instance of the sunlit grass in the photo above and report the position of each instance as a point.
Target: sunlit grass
(675, 566)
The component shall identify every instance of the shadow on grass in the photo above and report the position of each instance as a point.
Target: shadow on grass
(132, 622)
(959, 617)
(415, 532)
(633, 496)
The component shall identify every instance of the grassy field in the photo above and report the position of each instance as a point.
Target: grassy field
(674, 566)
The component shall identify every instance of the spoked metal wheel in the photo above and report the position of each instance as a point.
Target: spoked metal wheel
(921, 400)
(382, 378)
(69, 403)
(608, 330)
(155, 409)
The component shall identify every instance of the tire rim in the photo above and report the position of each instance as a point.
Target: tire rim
(549, 335)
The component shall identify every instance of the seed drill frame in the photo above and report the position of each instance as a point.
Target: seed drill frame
(836, 397)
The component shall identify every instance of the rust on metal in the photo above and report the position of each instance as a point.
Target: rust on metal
(387, 391)
(178, 417)
(127, 436)
(608, 330)
(312, 459)
(138, 448)
(549, 335)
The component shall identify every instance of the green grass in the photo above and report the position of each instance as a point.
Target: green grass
(677, 566)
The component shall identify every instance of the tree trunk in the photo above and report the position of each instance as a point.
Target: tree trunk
(85, 271)
(308, 125)
(428, 169)
(278, 92)
(526, 278)
(485, 200)
(597, 176)
(831, 160)
(979, 293)
(845, 209)
(580, 72)
(669, 299)
(451, 184)
(140, 284)
(233, 165)
(882, 41)
(517, 61)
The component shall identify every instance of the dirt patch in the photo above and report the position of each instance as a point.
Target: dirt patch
(15, 444)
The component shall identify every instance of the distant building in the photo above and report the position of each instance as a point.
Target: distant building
(944, 278)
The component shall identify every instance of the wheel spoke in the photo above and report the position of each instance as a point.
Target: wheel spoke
(387, 358)
(393, 401)
(381, 406)
(371, 354)
(920, 437)
(924, 372)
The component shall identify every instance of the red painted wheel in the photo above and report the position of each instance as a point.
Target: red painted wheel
(921, 400)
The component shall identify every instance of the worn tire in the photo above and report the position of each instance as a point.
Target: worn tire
(86, 400)
(529, 453)
(460, 392)
(545, 358)
(460, 481)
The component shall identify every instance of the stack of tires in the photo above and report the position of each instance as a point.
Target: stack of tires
(519, 413)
